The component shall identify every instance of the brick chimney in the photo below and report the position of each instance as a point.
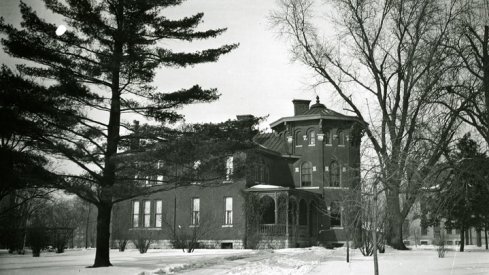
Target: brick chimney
(244, 117)
(300, 106)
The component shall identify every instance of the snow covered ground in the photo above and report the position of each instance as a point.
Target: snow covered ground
(315, 260)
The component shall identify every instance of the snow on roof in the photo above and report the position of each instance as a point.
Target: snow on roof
(265, 186)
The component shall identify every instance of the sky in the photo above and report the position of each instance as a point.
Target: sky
(257, 78)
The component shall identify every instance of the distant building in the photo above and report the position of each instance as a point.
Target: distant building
(296, 178)
(415, 234)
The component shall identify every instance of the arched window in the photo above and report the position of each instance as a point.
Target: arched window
(312, 137)
(327, 137)
(267, 209)
(261, 177)
(298, 138)
(306, 174)
(302, 212)
(334, 174)
(341, 137)
(335, 214)
(256, 172)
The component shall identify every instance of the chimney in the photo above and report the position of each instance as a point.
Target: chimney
(244, 117)
(300, 106)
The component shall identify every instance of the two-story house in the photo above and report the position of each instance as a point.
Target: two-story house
(291, 194)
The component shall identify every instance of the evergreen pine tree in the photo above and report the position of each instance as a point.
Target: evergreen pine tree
(105, 62)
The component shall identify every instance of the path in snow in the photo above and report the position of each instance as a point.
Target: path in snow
(294, 261)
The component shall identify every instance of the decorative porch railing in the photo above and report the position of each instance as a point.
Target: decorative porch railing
(280, 230)
(272, 229)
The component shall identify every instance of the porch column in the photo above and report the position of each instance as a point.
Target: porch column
(287, 221)
(276, 208)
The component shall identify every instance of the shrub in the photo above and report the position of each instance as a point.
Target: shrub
(37, 240)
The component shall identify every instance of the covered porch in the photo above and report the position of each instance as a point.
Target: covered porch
(285, 217)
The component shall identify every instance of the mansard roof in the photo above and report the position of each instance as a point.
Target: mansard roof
(273, 143)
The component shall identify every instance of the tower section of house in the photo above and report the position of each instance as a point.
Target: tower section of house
(323, 149)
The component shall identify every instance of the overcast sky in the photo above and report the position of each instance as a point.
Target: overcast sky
(258, 78)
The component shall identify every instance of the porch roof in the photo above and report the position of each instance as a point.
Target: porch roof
(267, 187)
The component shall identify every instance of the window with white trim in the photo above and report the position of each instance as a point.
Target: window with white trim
(229, 167)
(159, 177)
(195, 211)
(228, 216)
(135, 214)
(147, 214)
(306, 174)
(298, 138)
(158, 213)
(312, 138)
(327, 137)
(341, 138)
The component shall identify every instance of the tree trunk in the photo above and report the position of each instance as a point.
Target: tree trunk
(485, 235)
(485, 64)
(479, 237)
(462, 239)
(394, 222)
(103, 235)
(87, 224)
(374, 236)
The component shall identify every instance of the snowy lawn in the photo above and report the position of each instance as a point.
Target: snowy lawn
(315, 260)
(128, 262)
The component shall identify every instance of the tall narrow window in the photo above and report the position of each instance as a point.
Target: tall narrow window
(298, 138)
(262, 173)
(327, 137)
(341, 137)
(229, 167)
(266, 175)
(135, 214)
(306, 174)
(158, 213)
(256, 172)
(334, 174)
(195, 211)
(228, 216)
(147, 213)
(159, 177)
(335, 214)
(312, 138)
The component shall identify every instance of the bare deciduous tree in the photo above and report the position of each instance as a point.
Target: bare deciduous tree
(392, 55)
